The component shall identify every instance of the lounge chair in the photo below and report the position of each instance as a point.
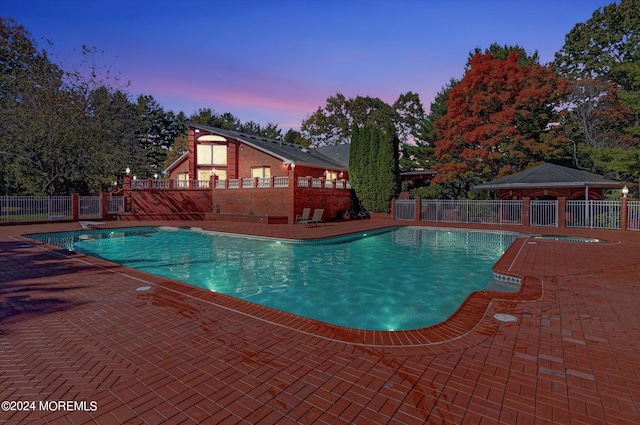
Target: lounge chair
(305, 217)
(317, 217)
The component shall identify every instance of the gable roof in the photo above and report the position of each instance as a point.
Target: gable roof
(550, 175)
(324, 157)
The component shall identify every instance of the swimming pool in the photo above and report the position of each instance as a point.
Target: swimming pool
(392, 279)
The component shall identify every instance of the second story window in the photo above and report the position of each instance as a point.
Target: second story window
(212, 154)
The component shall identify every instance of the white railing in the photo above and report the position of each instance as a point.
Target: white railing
(139, 184)
(243, 182)
(405, 209)
(281, 181)
(593, 214)
(35, 208)
(90, 207)
(633, 222)
(160, 184)
(543, 213)
(468, 211)
(201, 184)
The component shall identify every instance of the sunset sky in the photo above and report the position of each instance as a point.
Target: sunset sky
(279, 60)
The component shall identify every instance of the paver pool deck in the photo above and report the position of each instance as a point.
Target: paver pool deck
(74, 328)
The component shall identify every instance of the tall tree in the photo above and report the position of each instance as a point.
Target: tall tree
(293, 136)
(329, 125)
(602, 116)
(156, 131)
(373, 166)
(496, 122)
(334, 123)
(62, 130)
(419, 153)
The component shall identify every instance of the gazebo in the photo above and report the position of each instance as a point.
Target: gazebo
(551, 181)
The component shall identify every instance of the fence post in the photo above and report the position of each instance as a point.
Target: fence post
(75, 207)
(393, 208)
(418, 208)
(104, 205)
(526, 208)
(624, 213)
(562, 212)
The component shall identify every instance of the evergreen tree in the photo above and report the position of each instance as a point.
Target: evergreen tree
(373, 166)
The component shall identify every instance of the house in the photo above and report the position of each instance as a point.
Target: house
(232, 175)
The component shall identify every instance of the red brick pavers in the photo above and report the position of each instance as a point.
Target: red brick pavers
(75, 329)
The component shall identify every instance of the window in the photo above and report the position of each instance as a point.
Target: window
(260, 172)
(331, 175)
(212, 154)
(206, 174)
(183, 180)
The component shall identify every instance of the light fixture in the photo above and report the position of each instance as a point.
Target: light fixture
(155, 176)
(128, 170)
(625, 191)
(197, 130)
(134, 177)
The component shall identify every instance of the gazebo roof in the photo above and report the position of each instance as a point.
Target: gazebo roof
(551, 176)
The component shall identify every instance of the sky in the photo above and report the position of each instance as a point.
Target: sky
(277, 61)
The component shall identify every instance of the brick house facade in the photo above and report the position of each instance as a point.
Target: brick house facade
(231, 175)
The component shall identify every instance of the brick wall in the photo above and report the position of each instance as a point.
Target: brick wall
(333, 201)
(272, 201)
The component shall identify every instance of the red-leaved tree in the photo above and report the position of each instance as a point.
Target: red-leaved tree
(498, 122)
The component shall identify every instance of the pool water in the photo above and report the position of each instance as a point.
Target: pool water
(396, 279)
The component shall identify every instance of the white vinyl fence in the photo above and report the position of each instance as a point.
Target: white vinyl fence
(634, 215)
(593, 214)
(543, 213)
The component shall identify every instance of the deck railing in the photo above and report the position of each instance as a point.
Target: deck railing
(242, 182)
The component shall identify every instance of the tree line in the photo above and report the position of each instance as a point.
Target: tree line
(63, 131)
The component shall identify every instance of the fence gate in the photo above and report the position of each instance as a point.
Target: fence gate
(90, 207)
(544, 213)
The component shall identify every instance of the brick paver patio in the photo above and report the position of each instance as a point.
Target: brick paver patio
(74, 328)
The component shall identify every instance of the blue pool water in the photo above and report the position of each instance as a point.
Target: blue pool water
(400, 278)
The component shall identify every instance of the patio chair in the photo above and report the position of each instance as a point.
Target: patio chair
(305, 217)
(317, 217)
